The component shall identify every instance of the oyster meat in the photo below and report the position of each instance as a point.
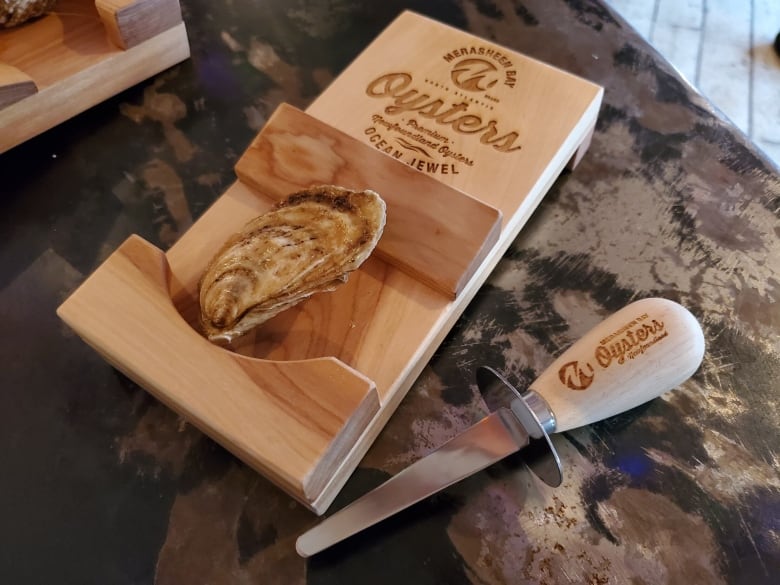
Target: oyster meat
(307, 243)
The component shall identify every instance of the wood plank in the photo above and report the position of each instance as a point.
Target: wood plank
(384, 322)
(681, 13)
(319, 406)
(61, 99)
(680, 46)
(677, 34)
(33, 48)
(724, 76)
(765, 105)
(73, 63)
(131, 22)
(433, 233)
(447, 97)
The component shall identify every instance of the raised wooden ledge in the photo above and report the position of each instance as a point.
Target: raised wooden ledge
(131, 22)
(435, 234)
(79, 55)
(299, 416)
(292, 421)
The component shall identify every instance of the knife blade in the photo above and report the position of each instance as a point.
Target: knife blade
(638, 353)
(491, 439)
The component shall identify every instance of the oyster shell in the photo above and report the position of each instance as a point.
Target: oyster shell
(307, 243)
(15, 12)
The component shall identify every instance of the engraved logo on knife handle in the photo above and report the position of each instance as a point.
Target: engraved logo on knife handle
(636, 354)
(667, 352)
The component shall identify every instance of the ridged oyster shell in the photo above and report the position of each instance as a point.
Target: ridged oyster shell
(15, 12)
(307, 243)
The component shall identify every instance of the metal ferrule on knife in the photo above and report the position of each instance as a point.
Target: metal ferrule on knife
(658, 345)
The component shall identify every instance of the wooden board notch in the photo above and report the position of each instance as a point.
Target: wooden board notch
(131, 22)
(292, 421)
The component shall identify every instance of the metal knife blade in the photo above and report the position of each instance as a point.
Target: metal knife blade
(491, 439)
(638, 353)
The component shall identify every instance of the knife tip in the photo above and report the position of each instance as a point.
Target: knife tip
(301, 548)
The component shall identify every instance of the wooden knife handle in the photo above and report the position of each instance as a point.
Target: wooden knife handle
(640, 352)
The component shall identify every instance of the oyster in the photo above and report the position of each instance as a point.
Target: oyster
(307, 243)
(14, 12)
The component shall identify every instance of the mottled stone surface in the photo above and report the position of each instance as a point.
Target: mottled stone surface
(102, 484)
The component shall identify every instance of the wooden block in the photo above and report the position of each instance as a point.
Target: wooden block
(75, 66)
(14, 85)
(383, 323)
(438, 236)
(293, 421)
(501, 124)
(130, 22)
(504, 145)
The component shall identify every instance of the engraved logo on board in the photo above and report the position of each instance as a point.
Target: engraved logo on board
(440, 122)
(474, 74)
(628, 342)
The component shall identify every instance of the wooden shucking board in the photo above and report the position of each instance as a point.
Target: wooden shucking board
(85, 51)
(302, 398)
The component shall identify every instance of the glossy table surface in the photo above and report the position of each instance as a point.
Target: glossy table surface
(100, 483)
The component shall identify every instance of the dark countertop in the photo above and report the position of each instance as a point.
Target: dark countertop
(102, 484)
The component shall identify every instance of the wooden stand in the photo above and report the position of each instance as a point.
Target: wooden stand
(87, 51)
(302, 398)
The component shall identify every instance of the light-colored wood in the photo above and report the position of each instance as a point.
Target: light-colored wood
(71, 60)
(379, 322)
(508, 122)
(131, 22)
(387, 321)
(437, 236)
(294, 420)
(640, 352)
(14, 85)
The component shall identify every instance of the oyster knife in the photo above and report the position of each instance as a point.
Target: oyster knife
(638, 353)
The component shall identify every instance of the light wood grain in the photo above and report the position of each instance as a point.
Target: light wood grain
(438, 236)
(388, 319)
(638, 353)
(378, 322)
(131, 22)
(253, 407)
(14, 85)
(552, 112)
(74, 64)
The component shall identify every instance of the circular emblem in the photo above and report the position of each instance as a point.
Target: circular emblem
(575, 377)
(474, 74)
